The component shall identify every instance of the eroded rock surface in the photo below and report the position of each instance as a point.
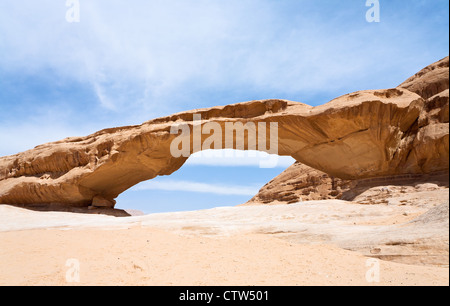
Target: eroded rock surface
(366, 134)
(302, 183)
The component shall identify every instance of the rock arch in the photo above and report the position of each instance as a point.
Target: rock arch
(360, 135)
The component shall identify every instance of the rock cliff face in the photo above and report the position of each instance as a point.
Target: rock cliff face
(302, 183)
(366, 134)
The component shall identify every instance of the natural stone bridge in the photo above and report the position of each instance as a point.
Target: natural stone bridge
(365, 134)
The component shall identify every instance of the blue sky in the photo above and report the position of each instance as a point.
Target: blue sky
(127, 62)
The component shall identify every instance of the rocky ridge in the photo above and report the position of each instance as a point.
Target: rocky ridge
(302, 183)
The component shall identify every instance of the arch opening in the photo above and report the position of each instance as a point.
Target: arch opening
(209, 179)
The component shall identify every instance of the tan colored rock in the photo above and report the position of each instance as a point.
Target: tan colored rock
(429, 81)
(300, 183)
(432, 137)
(98, 201)
(361, 135)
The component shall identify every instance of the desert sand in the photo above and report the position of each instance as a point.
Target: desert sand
(147, 256)
(327, 242)
(373, 166)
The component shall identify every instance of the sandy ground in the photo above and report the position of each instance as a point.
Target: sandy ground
(146, 256)
(315, 243)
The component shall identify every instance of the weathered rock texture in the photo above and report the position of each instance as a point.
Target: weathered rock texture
(361, 135)
(302, 183)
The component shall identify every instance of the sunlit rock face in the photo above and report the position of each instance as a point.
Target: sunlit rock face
(366, 134)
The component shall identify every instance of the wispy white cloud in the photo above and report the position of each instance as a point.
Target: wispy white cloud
(150, 54)
(104, 100)
(156, 57)
(187, 186)
(236, 158)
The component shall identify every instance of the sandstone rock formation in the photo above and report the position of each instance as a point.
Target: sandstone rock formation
(429, 81)
(366, 134)
(302, 183)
